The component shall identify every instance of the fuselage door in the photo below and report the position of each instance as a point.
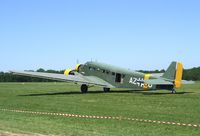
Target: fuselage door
(118, 78)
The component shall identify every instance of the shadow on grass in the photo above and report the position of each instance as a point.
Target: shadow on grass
(165, 93)
(101, 92)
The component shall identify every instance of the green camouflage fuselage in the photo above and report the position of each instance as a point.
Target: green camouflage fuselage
(118, 77)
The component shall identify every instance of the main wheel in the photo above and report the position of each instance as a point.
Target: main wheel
(84, 88)
(173, 91)
(106, 90)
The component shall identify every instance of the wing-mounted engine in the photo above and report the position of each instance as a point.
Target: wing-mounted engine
(69, 72)
(73, 71)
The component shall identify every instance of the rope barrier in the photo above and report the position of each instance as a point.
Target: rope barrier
(100, 117)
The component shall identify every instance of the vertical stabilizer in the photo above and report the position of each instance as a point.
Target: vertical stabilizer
(174, 73)
(170, 72)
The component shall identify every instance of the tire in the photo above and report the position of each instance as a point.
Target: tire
(106, 90)
(173, 91)
(84, 88)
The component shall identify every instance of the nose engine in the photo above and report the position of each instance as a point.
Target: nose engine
(77, 67)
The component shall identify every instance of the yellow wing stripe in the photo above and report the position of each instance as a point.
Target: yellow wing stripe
(179, 73)
(146, 77)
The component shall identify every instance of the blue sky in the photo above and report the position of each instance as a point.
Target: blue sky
(135, 34)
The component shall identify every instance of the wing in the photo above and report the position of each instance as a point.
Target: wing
(77, 78)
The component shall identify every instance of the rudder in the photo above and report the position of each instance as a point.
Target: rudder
(179, 74)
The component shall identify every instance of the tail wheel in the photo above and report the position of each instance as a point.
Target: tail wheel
(173, 91)
(84, 88)
(106, 90)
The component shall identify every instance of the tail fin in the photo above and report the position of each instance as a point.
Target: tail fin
(174, 73)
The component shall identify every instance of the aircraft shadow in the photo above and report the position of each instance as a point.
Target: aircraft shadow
(101, 92)
(165, 93)
(72, 93)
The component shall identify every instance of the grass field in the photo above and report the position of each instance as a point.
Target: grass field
(183, 107)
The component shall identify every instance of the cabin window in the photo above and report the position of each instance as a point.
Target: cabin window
(91, 68)
(103, 71)
(118, 78)
(107, 72)
(113, 73)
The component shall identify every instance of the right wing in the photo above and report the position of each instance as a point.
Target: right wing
(77, 78)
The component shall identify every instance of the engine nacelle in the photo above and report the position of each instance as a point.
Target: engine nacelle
(77, 67)
(72, 72)
(69, 72)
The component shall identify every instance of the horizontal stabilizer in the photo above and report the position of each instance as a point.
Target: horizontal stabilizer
(157, 82)
(157, 74)
(188, 82)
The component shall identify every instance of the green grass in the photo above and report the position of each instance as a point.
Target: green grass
(65, 98)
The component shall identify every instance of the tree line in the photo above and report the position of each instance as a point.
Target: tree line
(188, 74)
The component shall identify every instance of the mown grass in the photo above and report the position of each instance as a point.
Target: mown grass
(66, 98)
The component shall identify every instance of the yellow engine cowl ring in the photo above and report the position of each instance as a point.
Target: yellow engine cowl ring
(77, 67)
(68, 72)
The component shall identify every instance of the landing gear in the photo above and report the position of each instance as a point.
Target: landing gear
(106, 90)
(84, 88)
(173, 91)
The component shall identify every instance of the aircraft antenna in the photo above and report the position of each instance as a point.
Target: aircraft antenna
(77, 61)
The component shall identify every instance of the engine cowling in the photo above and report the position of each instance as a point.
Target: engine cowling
(72, 72)
(68, 72)
(77, 67)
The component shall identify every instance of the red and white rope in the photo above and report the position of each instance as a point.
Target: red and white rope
(101, 117)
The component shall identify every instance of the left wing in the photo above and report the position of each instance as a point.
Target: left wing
(77, 78)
